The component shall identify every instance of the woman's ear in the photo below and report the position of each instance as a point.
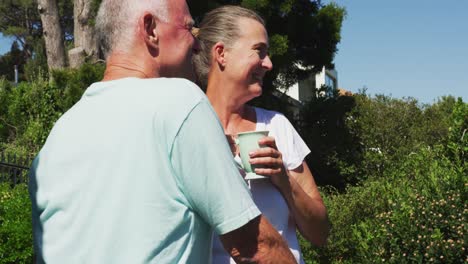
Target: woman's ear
(219, 54)
(150, 32)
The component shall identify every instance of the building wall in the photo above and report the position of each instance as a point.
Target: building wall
(305, 93)
(307, 88)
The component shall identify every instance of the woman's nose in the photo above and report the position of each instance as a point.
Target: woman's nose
(267, 64)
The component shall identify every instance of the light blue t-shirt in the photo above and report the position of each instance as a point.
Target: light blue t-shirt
(138, 171)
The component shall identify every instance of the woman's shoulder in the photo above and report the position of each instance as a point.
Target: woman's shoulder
(270, 116)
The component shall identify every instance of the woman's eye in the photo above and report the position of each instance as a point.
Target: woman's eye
(262, 53)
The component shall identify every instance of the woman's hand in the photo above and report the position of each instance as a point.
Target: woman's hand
(270, 159)
(298, 188)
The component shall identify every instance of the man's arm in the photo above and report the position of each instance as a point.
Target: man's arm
(257, 242)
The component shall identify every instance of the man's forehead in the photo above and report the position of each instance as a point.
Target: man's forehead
(178, 10)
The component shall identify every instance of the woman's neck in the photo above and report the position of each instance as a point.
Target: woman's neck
(234, 114)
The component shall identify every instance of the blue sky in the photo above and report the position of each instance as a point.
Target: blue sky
(404, 48)
(400, 48)
(5, 44)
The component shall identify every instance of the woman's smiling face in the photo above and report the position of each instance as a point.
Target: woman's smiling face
(247, 58)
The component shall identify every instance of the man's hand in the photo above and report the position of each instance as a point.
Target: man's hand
(257, 242)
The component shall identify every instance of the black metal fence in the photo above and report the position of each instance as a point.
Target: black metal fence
(13, 169)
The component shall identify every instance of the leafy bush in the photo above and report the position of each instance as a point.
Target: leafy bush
(15, 225)
(390, 129)
(29, 110)
(414, 213)
(421, 229)
(27, 113)
(354, 138)
(335, 149)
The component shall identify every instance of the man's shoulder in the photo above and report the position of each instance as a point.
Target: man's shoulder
(175, 95)
(172, 88)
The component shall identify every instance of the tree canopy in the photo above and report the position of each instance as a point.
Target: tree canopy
(20, 19)
(303, 33)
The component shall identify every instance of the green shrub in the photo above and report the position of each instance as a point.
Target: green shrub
(335, 149)
(389, 129)
(15, 225)
(29, 110)
(415, 212)
(73, 82)
(420, 229)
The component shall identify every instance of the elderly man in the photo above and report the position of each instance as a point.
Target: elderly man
(139, 170)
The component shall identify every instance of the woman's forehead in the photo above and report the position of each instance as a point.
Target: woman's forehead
(252, 31)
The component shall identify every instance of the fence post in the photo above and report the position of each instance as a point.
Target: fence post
(16, 74)
(13, 169)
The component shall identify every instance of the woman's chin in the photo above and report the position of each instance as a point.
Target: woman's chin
(256, 94)
(256, 90)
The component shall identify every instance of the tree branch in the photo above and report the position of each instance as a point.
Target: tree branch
(8, 124)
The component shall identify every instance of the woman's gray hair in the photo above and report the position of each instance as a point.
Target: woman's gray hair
(218, 25)
(116, 21)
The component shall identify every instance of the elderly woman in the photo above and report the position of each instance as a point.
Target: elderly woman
(231, 65)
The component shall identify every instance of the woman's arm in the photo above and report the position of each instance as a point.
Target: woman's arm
(299, 190)
(306, 205)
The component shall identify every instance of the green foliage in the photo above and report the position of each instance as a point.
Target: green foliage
(391, 129)
(27, 113)
(29, 110)
(415, 212)
(21, 20)
(9, 60)
(457, 145)
(254, 4)
(15, 225)
(335, 148)
(94, 10)
(36, 67)
(279, 45)
(358, 137)
(74, 82)
(421, 229)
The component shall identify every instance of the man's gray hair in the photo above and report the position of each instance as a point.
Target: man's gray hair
(116, 21)
(219, 25)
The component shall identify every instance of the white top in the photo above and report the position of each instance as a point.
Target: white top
(138, 171)
(268, 199)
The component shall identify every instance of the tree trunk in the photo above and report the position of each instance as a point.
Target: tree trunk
(84, 36)
(53, 35)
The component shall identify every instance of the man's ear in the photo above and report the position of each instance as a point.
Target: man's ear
(150, 32)
(219, 54)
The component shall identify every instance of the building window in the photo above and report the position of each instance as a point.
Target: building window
(330, 81)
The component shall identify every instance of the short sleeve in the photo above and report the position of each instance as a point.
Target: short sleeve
(206, 172)
(289, 142)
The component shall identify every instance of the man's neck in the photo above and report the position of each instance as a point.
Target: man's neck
(120, 65)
